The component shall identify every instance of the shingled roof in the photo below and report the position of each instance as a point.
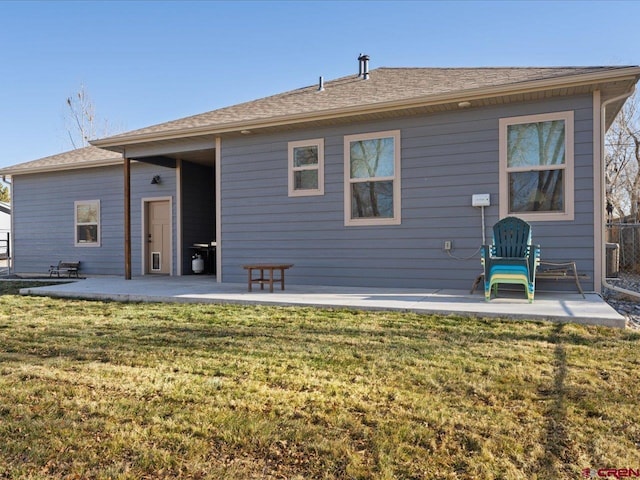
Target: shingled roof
(80, 158)
(385, 86)
(352, 97)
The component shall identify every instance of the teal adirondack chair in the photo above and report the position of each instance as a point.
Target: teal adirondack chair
(512, 258)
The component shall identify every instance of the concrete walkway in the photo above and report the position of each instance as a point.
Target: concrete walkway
(556, 306)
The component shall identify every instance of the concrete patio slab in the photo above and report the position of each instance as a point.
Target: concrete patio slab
(551, 306)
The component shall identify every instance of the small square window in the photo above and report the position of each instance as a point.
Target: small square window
(87, 223)
(306, 168)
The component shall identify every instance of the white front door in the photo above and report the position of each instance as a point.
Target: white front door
(158, 254)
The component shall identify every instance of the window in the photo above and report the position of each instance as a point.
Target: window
(536, 166)
(372, 179)
(87, 223)
(306, 168)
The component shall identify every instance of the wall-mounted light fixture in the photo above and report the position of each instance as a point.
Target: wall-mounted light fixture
(464, 104)
(156, 180)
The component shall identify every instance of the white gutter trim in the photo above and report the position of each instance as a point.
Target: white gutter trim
(602, 192)
(597, 167)
(416, 102)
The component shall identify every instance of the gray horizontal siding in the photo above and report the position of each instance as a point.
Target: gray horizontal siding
(445, 159)
(43, 206)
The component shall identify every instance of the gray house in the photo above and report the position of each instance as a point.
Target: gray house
(357, 181)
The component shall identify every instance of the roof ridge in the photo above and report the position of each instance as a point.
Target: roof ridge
(385, 85)
(498, 67)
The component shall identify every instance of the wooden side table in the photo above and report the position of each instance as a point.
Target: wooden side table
(269, 267)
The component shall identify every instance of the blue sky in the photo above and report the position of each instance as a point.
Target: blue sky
(148, 62)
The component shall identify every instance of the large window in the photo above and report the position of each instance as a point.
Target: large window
(306, 168)
(87, 223)
(372, 178)
(536, 166)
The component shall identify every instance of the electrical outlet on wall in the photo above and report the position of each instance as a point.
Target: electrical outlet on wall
(447, 245)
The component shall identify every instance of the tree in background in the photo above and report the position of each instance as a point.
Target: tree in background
(81, 121)
(622, 154)
(4, 193)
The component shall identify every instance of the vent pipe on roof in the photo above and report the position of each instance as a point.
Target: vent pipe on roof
(363, 70)
(321, 84)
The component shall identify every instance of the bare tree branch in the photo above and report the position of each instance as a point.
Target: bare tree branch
(81, 122)
(622, 157)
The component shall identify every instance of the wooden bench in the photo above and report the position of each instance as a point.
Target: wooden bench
(552, 271)
(70, 268)
(269, 267)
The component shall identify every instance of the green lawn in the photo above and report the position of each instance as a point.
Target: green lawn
(109, 390)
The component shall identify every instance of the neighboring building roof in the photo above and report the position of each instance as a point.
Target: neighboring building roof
(5, 208)
(81, 158)
(386, 88)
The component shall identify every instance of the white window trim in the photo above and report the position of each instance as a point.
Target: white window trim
(569, 174)
(319, 144)
(397, 190)
(75, 224)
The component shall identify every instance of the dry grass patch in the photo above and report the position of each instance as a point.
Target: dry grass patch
(109, 390)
